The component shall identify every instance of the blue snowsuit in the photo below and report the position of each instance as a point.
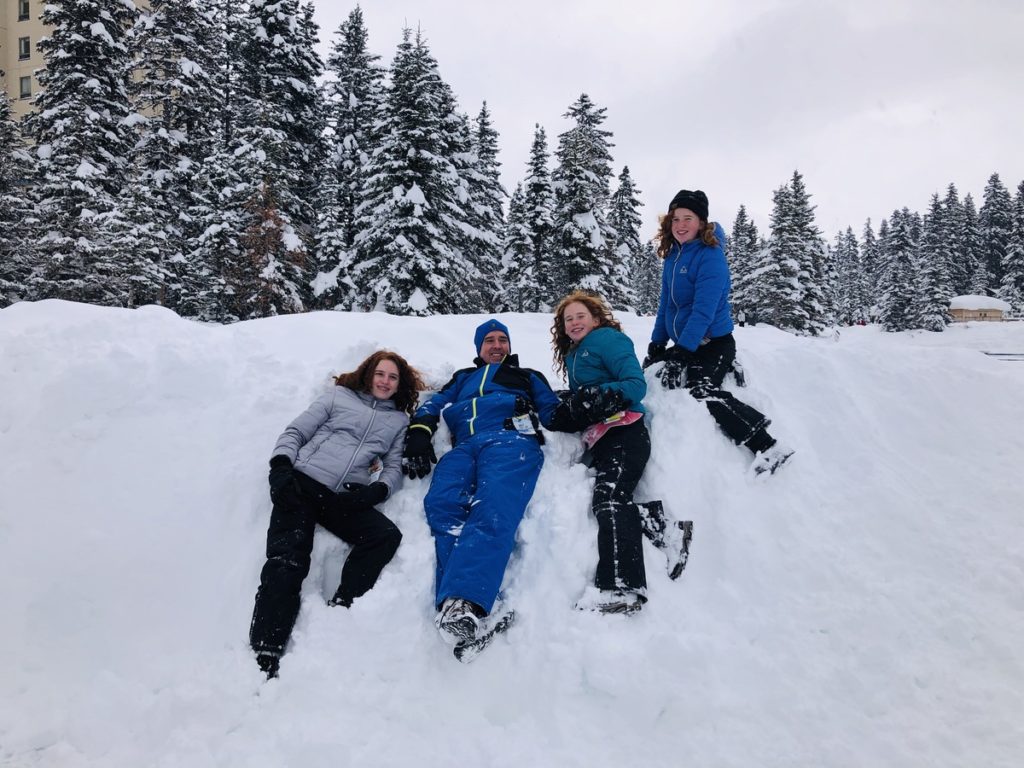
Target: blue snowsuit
(481, 487)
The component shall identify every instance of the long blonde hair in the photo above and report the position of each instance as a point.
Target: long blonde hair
(596, 306)
(666, 241)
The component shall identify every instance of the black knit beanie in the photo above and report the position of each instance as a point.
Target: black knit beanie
(695, 201)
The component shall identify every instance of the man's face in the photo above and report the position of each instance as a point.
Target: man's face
(495, 347)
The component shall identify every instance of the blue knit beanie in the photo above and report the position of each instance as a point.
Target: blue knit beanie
(486, 327)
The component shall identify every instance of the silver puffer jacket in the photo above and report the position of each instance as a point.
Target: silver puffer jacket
(341, 435)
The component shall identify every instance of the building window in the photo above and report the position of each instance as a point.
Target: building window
(22, 10)
(24, 48)
(26, 86)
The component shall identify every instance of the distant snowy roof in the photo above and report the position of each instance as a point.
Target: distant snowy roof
(978, 302)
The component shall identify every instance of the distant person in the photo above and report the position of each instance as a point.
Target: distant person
(606, 389)
(694, 313)
(741, 318)
(321, 472)
(481, 487)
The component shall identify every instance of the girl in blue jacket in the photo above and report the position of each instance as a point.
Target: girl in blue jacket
(605, 377)
(694, 313)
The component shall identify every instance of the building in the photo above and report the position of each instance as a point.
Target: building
(20, 30)
(964, 308)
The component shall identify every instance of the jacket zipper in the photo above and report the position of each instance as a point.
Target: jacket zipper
(483, 381)
(373, 415)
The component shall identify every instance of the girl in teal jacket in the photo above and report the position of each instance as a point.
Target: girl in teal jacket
(604, 377)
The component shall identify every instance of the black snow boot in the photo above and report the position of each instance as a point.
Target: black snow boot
(269, 663)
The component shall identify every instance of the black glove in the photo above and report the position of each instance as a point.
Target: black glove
(419, 453)
(655, 353)
(282, 479)
(360, 495)
(592, 403)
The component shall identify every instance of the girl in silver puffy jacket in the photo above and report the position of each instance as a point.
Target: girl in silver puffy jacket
(332, 465)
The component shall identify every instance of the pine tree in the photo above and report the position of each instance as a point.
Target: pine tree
(538, 215)
(813, 271)
(624, 217)
(774, 288)
(408, 261)
(354, 96)
(78, 129)
(934, 288)
(1012, 288)
(583, 239)
(870, 260)
(648, 279)
(517, 269)
(272, 157)
(850, 291)
(176, 101)
(974, 249)
(960, 267)
(996, 221)
(741, 252)
(14, 166)
(898, 281)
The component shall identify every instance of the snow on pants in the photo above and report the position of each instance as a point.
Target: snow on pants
(619, 458)
(374, 539)
(704, 376)
(476, 500)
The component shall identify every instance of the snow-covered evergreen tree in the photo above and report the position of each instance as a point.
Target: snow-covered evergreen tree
(870, 260)
(80, 137)
(268, 160)
(974, 248)
(850, 291)
(790, 275)
(583, 240)
(516, 278)
(934, 287)
(486, 194)
(1012, 288)
(898, 281)
(538, 214)
(408, 261)
(960, 267)
(996, 221)
(648, 280)
(176, 100)
(355, 93)
(14, 168)
(624, 218)
(741, 251)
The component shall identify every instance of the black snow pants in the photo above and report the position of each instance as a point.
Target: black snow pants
(374, 539)
(619, 458)
(704, 376)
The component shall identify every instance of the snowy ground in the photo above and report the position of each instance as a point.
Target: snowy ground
(861, 608)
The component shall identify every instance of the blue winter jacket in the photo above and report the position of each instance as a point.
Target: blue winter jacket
(483, 399)
(606, 357)
(694, 301)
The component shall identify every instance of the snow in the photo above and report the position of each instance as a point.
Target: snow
(860, 608)
(978, 302)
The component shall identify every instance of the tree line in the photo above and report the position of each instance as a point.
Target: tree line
(195, 156)
(901, 277)
(203, 157)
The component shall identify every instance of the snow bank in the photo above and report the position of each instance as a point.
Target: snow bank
(862, 607)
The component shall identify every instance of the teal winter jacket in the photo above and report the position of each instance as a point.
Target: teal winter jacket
(606, 357)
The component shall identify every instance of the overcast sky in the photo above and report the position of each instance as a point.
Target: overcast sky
(878, 103)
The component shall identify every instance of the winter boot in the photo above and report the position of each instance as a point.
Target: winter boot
(268, 663)
(458, 620)
(672, 538)
(611, 601)
(770, 459)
